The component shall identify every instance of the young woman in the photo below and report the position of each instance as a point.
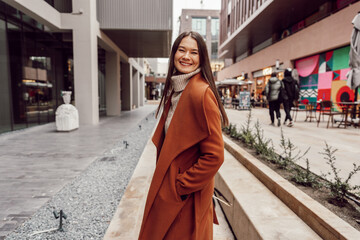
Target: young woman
(190, 148)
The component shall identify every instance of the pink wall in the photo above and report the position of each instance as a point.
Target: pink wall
(329, 33)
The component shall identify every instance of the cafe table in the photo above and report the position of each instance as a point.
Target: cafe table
(346, 106)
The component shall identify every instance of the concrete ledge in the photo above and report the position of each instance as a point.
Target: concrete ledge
(325, 223)
(256, 213)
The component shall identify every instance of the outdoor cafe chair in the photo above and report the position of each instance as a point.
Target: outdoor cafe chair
(298, 107)
(327, 109)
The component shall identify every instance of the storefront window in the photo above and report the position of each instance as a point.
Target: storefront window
(37, 80)
(30, 80)
(14, 34)
(5, 112)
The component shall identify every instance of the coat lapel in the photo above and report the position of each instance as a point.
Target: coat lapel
(159, 133)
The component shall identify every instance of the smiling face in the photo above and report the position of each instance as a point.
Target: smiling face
(187, 58)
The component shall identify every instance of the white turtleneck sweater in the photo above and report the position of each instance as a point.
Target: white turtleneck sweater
(178, 84)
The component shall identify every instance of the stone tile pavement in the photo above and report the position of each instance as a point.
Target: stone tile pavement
(36, 163)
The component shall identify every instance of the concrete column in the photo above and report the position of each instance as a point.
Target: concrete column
(208, 36)
(126, 86)
(135, 88)
(142, 89)
(112, 84)
(86, 61)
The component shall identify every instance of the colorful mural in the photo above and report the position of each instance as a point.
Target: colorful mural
(323, 76)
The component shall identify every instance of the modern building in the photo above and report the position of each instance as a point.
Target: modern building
(205, 22)
(310, 36)
(94, 48)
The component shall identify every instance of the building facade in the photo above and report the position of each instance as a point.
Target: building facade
(95, 49)
(310, 36)
(205, 22)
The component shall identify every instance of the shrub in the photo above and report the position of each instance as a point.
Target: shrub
(262, 145)
(305, 177)
(288, 157)
(233, 132)
(246, 134)
(338, 187)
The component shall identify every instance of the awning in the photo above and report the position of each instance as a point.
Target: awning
(232, 82)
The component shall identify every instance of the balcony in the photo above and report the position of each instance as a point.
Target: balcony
(248, 24)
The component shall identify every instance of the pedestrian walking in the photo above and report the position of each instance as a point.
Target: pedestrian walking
(272, 92)
(190, 148)
(252, 99)
(292, 93)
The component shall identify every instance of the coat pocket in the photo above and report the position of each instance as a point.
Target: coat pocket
(180, 197)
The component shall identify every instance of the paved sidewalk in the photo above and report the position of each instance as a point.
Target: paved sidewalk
(307, 134)
(36, 163)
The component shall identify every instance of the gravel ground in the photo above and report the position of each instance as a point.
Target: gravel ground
(91, 199)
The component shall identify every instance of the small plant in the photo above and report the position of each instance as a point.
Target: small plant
(338, 187)
(233, 132)
(261, 144)
(246, 134)
(247, 126)
(305, 177)
(228, 128)
(271, 155)
(288, 156)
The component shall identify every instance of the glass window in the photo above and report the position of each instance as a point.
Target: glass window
(199, 25)
(5, 113)
(19, 98)
(30, 79)
(11, 26)
(214, 28)
(10, 11)
(214, 49)
(32, 22)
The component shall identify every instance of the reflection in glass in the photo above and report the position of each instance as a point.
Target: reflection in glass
(29, 78)
(214, 28)
(15, 56)
(5, 114)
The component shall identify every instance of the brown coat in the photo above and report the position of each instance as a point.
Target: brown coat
(179, 203)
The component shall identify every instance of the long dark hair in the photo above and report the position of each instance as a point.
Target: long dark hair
(205, 70)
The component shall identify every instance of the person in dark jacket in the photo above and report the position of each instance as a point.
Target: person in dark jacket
(291, 90)
(272, 90)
